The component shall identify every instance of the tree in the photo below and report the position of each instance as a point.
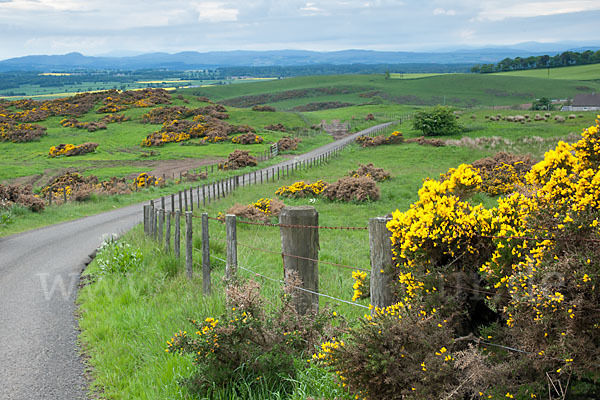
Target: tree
(543, 103)
(437, 121)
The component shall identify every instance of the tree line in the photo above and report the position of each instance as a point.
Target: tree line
(564, 59)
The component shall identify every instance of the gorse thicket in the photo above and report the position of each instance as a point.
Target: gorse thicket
(491, 303)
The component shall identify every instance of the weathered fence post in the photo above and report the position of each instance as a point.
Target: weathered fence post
(189, 245)
(301, 242)
(146, 219)
(168, 233)
(382, 264)
(185, 199)
(65, 194)
(50, 196)
(231, 234)
(205, 255)
(191, 199)
(198, 195)
(155, 223)
(172, 202)
(161, 224)
(203, 196)
(180, 201)
(162, 202)
(177, 236)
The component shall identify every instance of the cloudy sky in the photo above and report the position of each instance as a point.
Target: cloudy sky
(96, 27)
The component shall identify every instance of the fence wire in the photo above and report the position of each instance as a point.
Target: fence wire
(295, 287)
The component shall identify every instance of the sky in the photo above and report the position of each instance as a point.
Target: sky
(105, 27)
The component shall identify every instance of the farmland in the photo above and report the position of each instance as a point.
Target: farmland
(580, 72)
(129, 317)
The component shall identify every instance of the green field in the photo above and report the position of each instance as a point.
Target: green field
(579, 72)
(123, 324)
(459, 90)
(120, 152)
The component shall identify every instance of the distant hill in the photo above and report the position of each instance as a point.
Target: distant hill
(196, 60)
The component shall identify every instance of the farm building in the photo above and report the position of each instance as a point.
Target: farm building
(584, 102)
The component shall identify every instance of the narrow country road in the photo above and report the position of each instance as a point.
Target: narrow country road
(39, 276)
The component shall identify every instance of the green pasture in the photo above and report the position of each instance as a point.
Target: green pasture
(577, 72)
(460, 90)
(119, 152)
(126, 320)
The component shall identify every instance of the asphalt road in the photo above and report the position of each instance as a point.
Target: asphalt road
(39, 276)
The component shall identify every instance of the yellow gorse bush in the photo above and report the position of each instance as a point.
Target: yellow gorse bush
(533, 260)
(302, 189)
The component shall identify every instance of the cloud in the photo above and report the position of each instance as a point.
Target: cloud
(496, 11)
(311, 9)
(441, 11)
(216, 12)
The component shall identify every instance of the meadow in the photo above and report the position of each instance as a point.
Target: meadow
(121, 314)
(579, 72)
(126, 317)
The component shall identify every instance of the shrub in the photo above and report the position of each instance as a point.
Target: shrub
(144, 180)
(288, 143)
(300, 189)
(90, 126)
(523, 275)
(175, 131)
(11, 131)
(276, 127)
(68, 150)
(248, 343)
(502, 173)
(12, 196)
(367, 141)
(261, 210)
(353, 189)
(437, 121)
(247, 138)
(239, 159)
(426, 142)
(369, 170)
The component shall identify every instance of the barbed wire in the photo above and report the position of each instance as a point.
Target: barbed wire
(351, 228)
(295, 287)
(302, 258)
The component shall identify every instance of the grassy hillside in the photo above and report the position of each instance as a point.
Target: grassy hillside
(578, 72)
(459, 90)
(120, 153)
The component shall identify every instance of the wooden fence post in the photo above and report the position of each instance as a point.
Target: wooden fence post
(189, 245)
(177, 236)
(155, 223)
(205, 256)
(172, 202)
(301, 242)
(231, 234)
(162, 202)
(65, 194)
(203, 196)
(198, 195)
(191, 199)
(180, 201)
(161, 224)
(168, 233)
(382, 264)
(185, 199)
(146, 219)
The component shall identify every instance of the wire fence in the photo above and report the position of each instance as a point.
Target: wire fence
(295, 287)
